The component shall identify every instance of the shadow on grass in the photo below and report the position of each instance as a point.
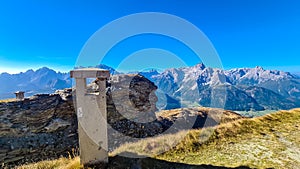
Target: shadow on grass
(121, 162)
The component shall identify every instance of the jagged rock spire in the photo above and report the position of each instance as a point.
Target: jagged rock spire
(200, 66)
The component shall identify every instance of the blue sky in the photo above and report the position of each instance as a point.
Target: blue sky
(245, 33)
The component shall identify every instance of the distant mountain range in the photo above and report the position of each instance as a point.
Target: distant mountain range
(245, 88)
(43, 80)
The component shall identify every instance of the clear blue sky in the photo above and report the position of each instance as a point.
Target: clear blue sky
(245, 33)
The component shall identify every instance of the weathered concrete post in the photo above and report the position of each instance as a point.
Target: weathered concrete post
(19, 95)
(92, 116)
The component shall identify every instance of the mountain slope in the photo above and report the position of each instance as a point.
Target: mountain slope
(270, 141)
(269, 99)
(235, 99)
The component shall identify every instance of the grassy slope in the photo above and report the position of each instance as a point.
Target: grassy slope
(270, 141)
(264, 142)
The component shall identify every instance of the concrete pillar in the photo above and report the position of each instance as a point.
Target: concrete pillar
(19, 95)
(92, 117)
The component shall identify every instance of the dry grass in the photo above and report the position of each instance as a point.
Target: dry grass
(162, 143)
(7, 100)
(72, 162)
(270, 141)
(62, 163)
(151, 146)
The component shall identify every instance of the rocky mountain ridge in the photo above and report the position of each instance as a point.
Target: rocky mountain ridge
(43, 80)
(242, 88)
(239, 89)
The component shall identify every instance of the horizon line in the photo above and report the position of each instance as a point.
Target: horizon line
(296, 69)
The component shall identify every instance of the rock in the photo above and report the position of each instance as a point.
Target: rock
(56, 124)
(41, 123)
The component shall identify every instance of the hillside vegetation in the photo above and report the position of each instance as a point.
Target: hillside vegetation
(62, 163)
(270, 141)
